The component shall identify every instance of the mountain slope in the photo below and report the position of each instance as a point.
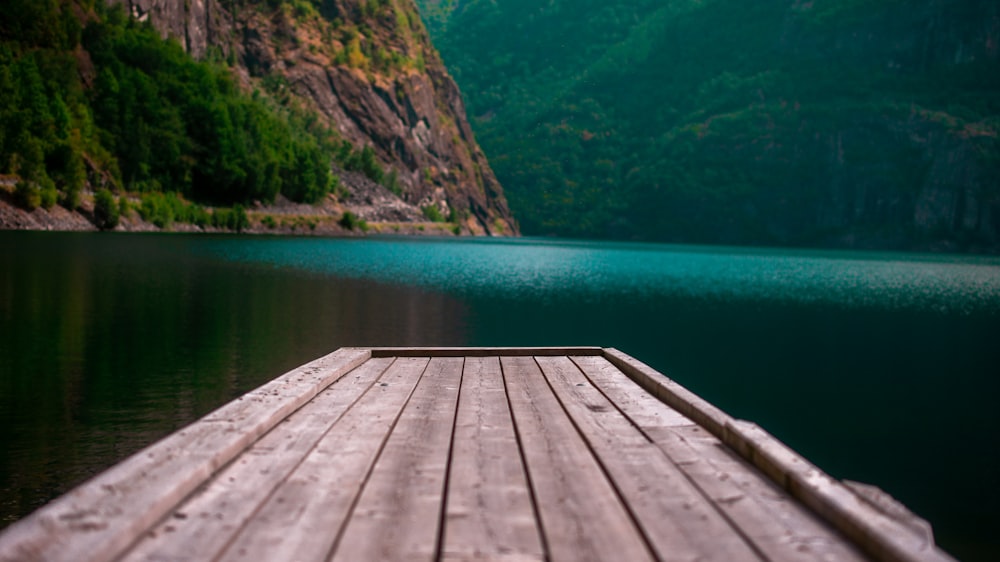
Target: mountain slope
(824, 123)
(288, 89)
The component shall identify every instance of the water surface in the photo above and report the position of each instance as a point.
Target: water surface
(878, 367)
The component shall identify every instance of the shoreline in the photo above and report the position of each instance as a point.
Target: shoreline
(282, 218)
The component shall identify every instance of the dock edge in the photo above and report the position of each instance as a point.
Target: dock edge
(875, 531)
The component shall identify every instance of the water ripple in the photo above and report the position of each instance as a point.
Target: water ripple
(546, 270)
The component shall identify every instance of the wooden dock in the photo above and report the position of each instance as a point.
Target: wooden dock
(468, 454)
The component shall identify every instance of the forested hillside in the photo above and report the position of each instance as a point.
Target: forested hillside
(862, 123)
(219, 104)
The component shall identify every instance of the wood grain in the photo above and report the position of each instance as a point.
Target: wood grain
(489, 515)
(102, 517)
(398, 515)
(779, 527)
(870, 528)
(301, 519)
(468, 454)
(203, 525)
(678, 521)
(581, 514)
(481, 351)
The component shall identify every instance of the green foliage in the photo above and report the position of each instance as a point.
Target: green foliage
(718, 120)
(45, 125)
(238, 220)
(49, 196)
(231, 219)
(391, 182)
(153, 120)
(363, 161)
(155, 208)
(106, 210)
(27, 195)
(350, 221)
(164, 209)
(432, 213)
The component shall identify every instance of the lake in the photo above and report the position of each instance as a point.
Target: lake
(879, 367)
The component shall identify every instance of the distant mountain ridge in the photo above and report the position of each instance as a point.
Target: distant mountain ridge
(862, 123)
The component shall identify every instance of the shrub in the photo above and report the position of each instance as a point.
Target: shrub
(201, 216)
(432, 213)
(348, 220)
(105, 210)
(49, 197)
(156, 209)
(71, 198)
(391, 182)
(231, 219)
(238, 219)
(27, 195)
(220, 218)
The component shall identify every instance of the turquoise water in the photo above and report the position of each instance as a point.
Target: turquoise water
(550, 270)
(878, 367)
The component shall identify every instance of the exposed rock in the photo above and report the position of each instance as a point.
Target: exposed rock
(411, 114)
(374, 203)
(197, 24)
(13, 217)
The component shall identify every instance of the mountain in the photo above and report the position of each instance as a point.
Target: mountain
(831, 123)
(239, 102)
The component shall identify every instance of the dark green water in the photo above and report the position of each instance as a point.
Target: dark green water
(881, 368)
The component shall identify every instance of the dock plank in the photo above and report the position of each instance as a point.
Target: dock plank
(301, 519)
(398, 516)
(582, 517)
(98, 520)
(572, 453)
(678, 521)
(489, 515)
(203, 525)
(781, 529)
(871, 528)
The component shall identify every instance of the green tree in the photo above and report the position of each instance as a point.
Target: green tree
(106, 210)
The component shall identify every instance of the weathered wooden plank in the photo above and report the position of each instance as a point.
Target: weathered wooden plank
(581, 514)
(599, 480)
(203, 525)
(102, 517)
(873, 530)
(641, 407)
(489, 515)
(672, 394)
(482, 351)
(398, 516)
(301, 518)
(678, 521)
(778, 526)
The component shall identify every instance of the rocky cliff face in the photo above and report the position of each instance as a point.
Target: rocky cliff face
(368, 68)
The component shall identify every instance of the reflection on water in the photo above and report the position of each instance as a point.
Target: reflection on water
(879, 367)
(109, 342)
